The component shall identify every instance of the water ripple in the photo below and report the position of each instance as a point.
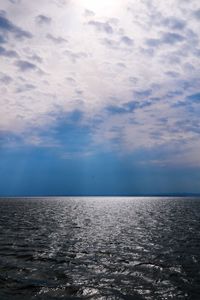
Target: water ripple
(100, 248)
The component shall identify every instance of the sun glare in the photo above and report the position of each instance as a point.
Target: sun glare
(101, 6)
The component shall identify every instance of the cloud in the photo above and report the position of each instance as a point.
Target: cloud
(36, 58)
(111, 43)
(60, 3)
(56, 40)
(8, 53)
(172, 74)
(75, 56)
(25, 87)
(127, 40)
(89, 13)
(128, 107)
(171, 38)
(42, 19)
(194, 98)
(2, 40)
(166, 38)
(25, 65)
(102, 26)
(71, 80)
(5, 79)
(122, 43)
(197, 14)
(15, 1)
(153, 42)
(174, 23)
(7, 27)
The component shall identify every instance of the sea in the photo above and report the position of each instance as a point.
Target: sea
(100, 248)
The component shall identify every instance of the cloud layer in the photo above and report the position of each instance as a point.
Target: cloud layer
(130, 68)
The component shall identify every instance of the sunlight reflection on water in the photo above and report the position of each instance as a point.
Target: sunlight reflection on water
(99, 248)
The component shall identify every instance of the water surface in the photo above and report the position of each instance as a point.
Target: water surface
(99, 248)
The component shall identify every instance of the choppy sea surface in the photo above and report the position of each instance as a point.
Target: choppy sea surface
(99, 248)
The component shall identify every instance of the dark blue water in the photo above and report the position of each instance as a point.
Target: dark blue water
(99, 248)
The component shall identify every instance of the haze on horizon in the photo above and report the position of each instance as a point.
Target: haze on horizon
(99, 97)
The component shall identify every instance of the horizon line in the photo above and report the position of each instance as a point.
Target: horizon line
(108, 195)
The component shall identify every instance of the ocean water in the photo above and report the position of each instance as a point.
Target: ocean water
(99, 248)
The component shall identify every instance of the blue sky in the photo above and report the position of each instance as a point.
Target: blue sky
(99, 97)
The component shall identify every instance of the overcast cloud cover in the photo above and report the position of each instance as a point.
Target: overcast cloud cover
(114, 76)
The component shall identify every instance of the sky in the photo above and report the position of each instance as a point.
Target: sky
(99, 97)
